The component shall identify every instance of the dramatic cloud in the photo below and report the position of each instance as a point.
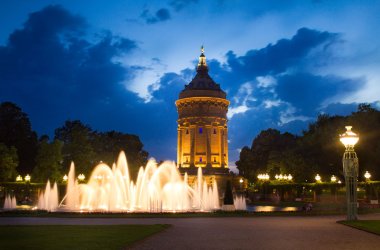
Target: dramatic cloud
(56, 69)
(52, 69)
(161, 15)
(277, 86)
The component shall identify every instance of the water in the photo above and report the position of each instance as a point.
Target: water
(240, 203)
(110, 189)
(48, 200)
(9, 203)
(272, 209)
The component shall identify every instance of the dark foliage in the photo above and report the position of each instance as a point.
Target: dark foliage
(16, 131)
(318, 150)
(228, 197)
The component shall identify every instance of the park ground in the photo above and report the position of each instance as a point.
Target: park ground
(267, 232)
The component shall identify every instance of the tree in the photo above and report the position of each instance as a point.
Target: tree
(77, 146)
(8, 163)
(48, 161)
(228, 197)
(245, 163)
(108, 145)
(15, 130)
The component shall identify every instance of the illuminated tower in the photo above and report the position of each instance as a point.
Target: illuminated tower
(202, 124)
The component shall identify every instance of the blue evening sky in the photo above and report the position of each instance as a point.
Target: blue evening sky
(120, 65)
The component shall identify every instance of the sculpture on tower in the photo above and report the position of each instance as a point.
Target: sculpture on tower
(202, 124)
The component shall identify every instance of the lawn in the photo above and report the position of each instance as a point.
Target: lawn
(74, 237)
(372, 226)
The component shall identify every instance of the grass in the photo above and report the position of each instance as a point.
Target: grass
(74, 237)
(372, 226)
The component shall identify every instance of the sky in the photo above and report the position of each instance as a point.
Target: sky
(120, 65)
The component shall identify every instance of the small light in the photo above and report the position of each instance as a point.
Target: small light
(65, 178)
(19, 178)
(290, 177)
(318, 178)
(276, 176)
(339, 182)
(281, 177)
(367, 175)
(241, 180)
(333, 178)
(81, 177)
(27, 178)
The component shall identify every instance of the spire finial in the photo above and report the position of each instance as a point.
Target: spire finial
(202, 60)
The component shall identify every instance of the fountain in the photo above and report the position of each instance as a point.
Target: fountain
(9, 203)
(110, 189)
(240, 203)
(48, 200)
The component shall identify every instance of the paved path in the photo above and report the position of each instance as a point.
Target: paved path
(283, 233)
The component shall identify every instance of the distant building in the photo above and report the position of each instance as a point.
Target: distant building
(202, 125)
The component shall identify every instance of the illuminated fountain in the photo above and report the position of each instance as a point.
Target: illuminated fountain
(9, 203)
(240, 203)
(48, 200)
(157, 189)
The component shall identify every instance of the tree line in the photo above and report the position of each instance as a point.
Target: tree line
(317, 150)
(23, 152)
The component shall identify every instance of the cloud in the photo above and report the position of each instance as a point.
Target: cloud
(305, 88)
(161, 15)
(54, 71)
(276, 86)
(178, 5)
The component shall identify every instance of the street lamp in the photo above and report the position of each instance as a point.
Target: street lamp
(367, 175)
(350, 169)
(333, 178)
(18, 178)
(318, 178)
(27, 178)
(81, 177)
(65, 178)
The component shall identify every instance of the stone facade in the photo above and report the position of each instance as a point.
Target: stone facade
(202, 125)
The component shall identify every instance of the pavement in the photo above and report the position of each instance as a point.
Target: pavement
(277, 232)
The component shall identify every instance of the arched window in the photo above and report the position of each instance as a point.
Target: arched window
(200, 159)
(200, 130)
(214, 131)
(187, 131)
(214, 159)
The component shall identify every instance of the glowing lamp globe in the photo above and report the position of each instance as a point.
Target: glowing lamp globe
(19, 178)
(65, 178)
(290, 177)
(81, 177)
(333, 178)
(318, 178)
(349, 138)
(367, 175)
(27, 178)
(241, 180)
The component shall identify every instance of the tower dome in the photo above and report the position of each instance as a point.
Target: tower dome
(202, 124)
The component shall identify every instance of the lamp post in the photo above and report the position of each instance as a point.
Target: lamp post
(350, 169)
